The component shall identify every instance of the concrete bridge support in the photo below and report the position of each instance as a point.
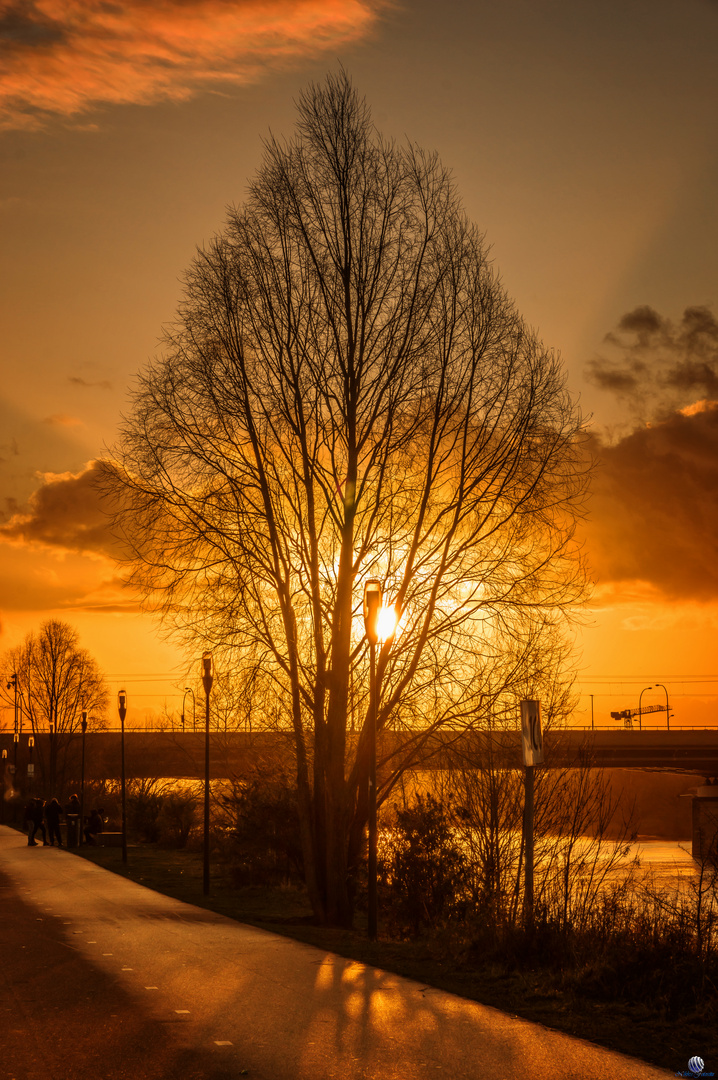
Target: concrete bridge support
(705, 822)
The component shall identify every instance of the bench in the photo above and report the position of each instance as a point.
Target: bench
(109, 839)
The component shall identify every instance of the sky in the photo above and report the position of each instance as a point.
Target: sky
(583, 141)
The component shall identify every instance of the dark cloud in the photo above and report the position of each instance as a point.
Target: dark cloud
(64, 57)
(103, 384)
(656, 366)
(654, 507)
(65, 512)
(25, 25)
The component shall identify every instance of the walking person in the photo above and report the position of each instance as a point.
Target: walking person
(53, 812)
(34, 813)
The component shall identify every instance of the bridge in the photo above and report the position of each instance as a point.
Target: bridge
(174, 754)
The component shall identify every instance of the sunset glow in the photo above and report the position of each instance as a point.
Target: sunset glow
(129, 128)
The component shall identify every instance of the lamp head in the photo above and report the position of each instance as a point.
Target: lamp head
(372, 606)
(122, 704)
(207, 671)
(31, 741)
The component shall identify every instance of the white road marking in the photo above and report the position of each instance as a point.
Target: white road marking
(222, 1042)
(181, 1012)
(151, 988)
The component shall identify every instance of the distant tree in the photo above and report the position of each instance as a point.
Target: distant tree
(347, 392)
(56, 680)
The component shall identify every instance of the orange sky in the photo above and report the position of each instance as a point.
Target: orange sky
(582, 139)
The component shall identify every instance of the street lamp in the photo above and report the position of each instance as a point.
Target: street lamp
(379, 624)
(668, 715)
(83, 725)
(2, 798)
(30, 766)
(122, 710)
(640, 713)
(207, 679)
(189, 690)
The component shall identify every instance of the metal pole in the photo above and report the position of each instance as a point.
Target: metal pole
(30, 766)
(640, 710)
(122, 710)
(124, 796)
(82, 779)
(529, 845)
(591, 697)
(2, 796)
(668, 715)
(205, 858)
(207, 677)
(372, 897)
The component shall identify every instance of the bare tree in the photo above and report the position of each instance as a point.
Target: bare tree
(56, 681)
(347, 392)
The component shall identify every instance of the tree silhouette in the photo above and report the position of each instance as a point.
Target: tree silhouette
(56, 680)
(347, 392)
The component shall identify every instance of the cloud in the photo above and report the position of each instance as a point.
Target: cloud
(657, 366)
(65, 512)
(62, 420)
(64, 57)
(653, 519)
(34, 580)
(76, 380)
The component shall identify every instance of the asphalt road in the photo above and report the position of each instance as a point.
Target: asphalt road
(103, 979)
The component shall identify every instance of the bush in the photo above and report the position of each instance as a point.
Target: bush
(176, 818)
(263, 832)
(144, 803)
(423, 868)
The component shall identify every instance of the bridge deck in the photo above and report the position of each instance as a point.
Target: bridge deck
(174, 754)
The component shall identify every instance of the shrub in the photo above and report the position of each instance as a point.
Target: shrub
(423, 869)
(176, 818)
(263, 831)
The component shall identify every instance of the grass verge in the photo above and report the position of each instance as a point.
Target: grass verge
(534, 994)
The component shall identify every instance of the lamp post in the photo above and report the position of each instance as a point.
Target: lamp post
(207, 679)
(122, 710)
(668, 715)
(83, 725)
(2, 798)
(379, 624)
(189, 690)
(640, 713)
(15, 741)
(30, 766)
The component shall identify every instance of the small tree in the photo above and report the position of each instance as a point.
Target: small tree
(56, 681)
(348, 392)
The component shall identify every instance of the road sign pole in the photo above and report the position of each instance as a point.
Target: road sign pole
(529, 845)
(532, 746)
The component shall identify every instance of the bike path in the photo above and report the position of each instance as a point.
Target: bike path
(103, 979)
